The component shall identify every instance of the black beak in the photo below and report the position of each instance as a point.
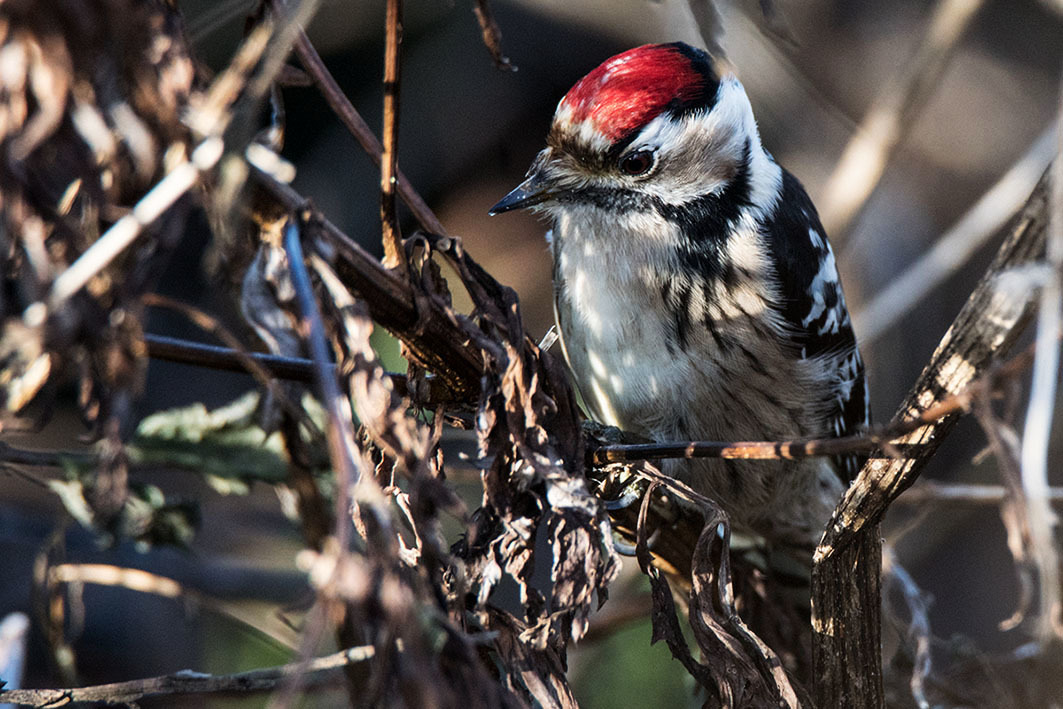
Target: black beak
(534, 190)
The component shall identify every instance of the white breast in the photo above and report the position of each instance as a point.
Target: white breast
(620, 338)
(620, 341)
(610, 317)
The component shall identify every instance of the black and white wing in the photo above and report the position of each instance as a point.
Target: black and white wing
(814, 307)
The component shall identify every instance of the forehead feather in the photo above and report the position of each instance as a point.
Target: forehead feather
(625, 92)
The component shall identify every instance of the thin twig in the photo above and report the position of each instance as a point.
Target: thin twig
(44, 458)
(126, 230)
(931, 492)
(919, 626)
(142, 581)
(957, 245)
(394, 253)
(110, 575)
(1005, 446)
(361, 131)
(891, 115)
(345, 460)
(1038, 431)
(492, 35)
(318, 671)
(297, 369)
(201, 354)
(247, 362)
(219, 14)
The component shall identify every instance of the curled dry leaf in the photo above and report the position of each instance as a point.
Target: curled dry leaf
(92, 95)
(532, 455)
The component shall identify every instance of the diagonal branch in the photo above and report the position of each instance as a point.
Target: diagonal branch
(424, 326)
(846, 611)
(988, 324)
(893, 112)
(358, 128)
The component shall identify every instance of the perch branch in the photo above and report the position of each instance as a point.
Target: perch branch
(810, 447)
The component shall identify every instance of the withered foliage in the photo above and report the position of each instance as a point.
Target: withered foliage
(90, 111)
(94, 99)
(99, 103)
(528, 434)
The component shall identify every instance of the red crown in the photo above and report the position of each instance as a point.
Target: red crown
(626, 92)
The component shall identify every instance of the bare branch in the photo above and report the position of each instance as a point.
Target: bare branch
(394, 253)
(248, 363)
(957, 245)
(201, 354)
(319, 671)
(492, 35)
(298, 369)
(891, 115)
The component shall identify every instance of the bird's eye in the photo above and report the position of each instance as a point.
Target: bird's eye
(637, 163)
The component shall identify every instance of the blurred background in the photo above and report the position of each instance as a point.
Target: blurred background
(468, 132)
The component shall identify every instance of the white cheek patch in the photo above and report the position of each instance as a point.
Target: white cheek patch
(703, 149)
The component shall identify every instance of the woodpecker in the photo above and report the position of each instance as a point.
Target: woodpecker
(695, 292)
